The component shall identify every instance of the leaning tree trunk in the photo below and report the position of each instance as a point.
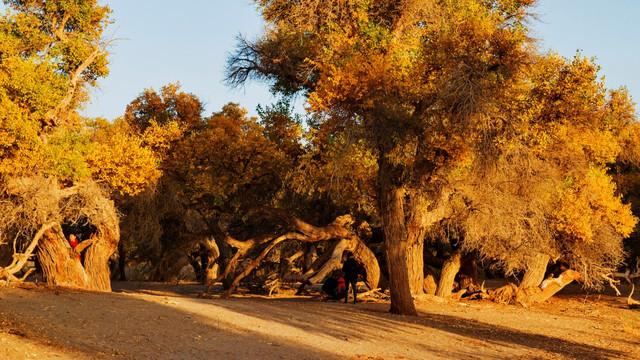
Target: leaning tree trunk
(536, 295)
(534, 274)
(448, 275)
(395, 239)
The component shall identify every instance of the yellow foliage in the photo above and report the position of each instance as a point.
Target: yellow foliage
(120, 162)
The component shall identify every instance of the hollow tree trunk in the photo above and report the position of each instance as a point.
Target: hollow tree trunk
(60, 263)
(448, 275)
(361, 253)
(395, 239)
(534, 274)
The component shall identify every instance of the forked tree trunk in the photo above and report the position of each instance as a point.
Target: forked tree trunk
(61, 265)
(534, 274)
(448, 275)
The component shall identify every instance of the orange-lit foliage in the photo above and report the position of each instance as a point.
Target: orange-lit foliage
(419, 78)
(550, 192)
(229, 164)
(170, 105)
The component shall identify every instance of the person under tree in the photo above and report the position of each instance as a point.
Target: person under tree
(350, 269)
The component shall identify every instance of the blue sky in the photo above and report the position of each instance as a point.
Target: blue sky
(187, 42)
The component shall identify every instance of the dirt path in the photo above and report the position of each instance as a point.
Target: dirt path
(165, 322)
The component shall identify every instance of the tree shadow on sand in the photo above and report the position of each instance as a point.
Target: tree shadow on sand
(368, 322)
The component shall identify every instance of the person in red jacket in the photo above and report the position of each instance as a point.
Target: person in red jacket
(73, 241)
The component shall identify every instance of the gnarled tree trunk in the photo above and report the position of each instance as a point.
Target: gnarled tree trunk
(61, 263)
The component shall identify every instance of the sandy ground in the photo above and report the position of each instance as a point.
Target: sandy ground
(162, 321)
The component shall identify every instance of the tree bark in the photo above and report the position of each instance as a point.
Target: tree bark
(429, 282)
(468, 274)
(60, 263)
(395, 239)
(415, 261)
(549, 289)
(310, 255)
(211, 272)
(361, 253)
(416, 226)
(534, 274)
(96, 257)
(448, 275)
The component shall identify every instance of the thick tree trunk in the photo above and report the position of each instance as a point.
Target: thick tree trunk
(361, 253)
(534, 274)
(468, 273)
(225, 259)
(61, 265)
(96, 257)
(395, 239)
(448, 275)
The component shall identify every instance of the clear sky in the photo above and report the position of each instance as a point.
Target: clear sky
(187, 42)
